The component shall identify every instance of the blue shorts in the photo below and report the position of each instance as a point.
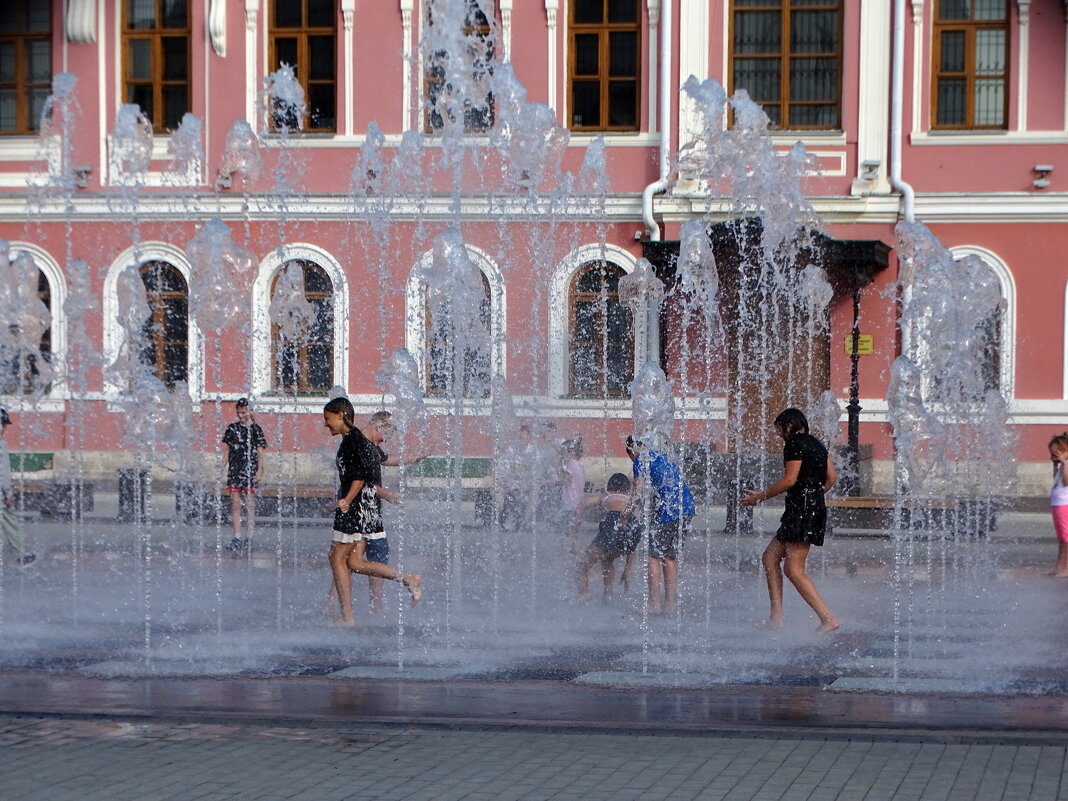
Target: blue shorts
(376, 550)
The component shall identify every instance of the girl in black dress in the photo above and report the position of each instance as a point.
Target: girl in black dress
(808, 473)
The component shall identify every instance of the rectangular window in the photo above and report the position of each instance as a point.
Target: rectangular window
(25, 64)
(604, 67)
(970, 61)
(303, 34)
(447, 101)
(156, 60)
(788, 56)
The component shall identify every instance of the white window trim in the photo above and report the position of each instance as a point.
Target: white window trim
(1004, 275)
(57, 287)
(261, 317)
(415, 311)
(559, 335)
(134, 256)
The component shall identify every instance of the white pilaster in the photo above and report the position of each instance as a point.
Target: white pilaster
(653, 9)
(406, 8)
(693, 60)
(348, 12)
(1022, 59)
(873, 123)
(918, 72)
(252, 9)
(506, 28)
(551, 9)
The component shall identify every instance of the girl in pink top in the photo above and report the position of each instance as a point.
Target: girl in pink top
(1058, 501)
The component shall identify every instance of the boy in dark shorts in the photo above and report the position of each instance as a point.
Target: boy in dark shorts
(241, 463)
(612, 540)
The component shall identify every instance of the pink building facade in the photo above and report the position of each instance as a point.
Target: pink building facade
(983, 121)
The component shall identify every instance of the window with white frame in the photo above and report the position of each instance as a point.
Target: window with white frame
(459, 95)
(164, 344)
(303, 35)
(302, 356)
(25, 63)
(601, 333)
(970, 65)
(27, 348)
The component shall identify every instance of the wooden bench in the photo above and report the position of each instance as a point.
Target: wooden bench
(962, 515)
(36, 488)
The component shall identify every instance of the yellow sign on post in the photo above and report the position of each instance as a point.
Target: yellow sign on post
(865, 345)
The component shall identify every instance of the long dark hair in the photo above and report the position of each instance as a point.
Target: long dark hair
(343, 407)
(792, 421)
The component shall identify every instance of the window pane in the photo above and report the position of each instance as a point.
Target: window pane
(7, 61)
(141, 14)
(321, 57)
(623, 103)
(140, 59)
(176, 320)
(320, 367)
(586, 321)
(758, 32)
(951, 101)
(315, 279)
(623, 54)
(758, 3)
(8, 109)
(141, 95)
(618, 328)
(287, 14)
(619, 372)
(38, 17)
(175, 14)
(814, 32)
(586, 102)
(990, 9)
(37, 99)
(285, 52)
(590, 280)
(989, 52)
(175, 105)
(38, 61)
(953, 9)
(323, 325)
(321, 106)
(622, 11)
(584, 372)
(823, 116)
(175, 369)
(587, 54)
(9, 18)
(989, 101)
(321, 14)
(758, 76)
(175, 58)
(589, 11)
(952, 55)
(813, 79)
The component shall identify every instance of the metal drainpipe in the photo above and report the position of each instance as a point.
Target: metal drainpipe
(652, 228)
(908, 196)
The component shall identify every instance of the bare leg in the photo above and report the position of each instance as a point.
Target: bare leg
(608, 575)
(582, 575)
(625, 578)
(1062, 559)
(772, 560)
(339, 557)
(671, 583)
(655, 572)
(796, 554)
(411, 581)
(235, 512)
(374, 588)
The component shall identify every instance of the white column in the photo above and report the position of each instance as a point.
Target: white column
(506, 28)
(873, 124)
(551, 8)
(348, 12)
(252, 8)
(1024, 7)
(406, 8)
(694, 33)
(653, 8)
(918, 72)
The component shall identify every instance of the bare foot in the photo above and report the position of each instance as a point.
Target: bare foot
(342, 623)
(414, 583)
(772, 623)
(1059, 574)
(828, 625)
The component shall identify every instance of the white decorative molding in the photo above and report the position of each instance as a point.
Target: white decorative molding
(217, 27)
(57, 289)
(348, 13)
(261, 316)
(645, 344)
(252, 8)
(918, 71)
(81, 21)
(134, 256)
(652, 8)
(873, 114)
(1022, 61)
(506, 28)
(694, 30)
(1007, 367)
(551, 7)
(415, 310)
(406, 8)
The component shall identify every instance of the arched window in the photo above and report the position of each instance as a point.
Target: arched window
(22, 377)
(458, 350)
(600, 333)
(303, 362)
(165, 334)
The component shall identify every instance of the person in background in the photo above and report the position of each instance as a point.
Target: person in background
(9, 522)
(807, 475)
(574, 482)
(243, 469)
(1058, 501)
(612, 540)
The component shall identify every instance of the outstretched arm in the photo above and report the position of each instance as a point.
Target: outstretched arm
(789, 478)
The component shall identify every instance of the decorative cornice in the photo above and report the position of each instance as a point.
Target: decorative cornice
(506, 28)
(348, 11)
(81, 21)
(252, 9)
(406, 8)
(217, 27)
(1024, 7)
(917, 12)
(652, 7)
(551, 7)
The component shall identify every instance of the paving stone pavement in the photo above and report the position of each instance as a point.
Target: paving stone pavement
(111, 759)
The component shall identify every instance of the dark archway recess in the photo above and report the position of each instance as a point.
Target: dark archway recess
(850, 265)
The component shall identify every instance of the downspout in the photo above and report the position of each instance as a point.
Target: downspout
(908, 196)
(652, 228)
